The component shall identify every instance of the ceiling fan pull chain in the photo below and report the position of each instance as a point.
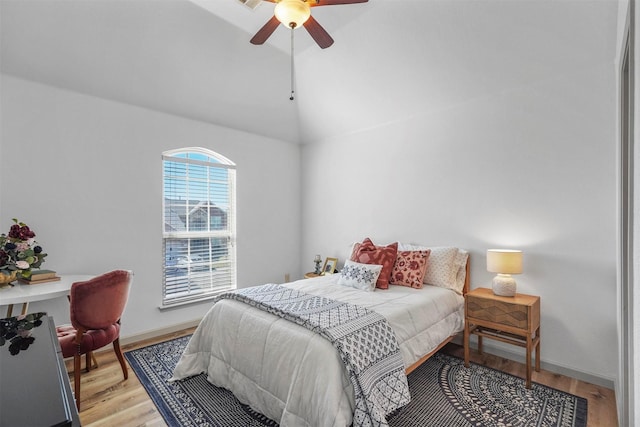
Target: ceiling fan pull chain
(292, 69)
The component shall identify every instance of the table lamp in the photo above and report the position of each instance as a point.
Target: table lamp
(505, 262)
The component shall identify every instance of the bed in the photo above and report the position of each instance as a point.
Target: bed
(293, 375)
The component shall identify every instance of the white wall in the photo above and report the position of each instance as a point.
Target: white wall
(528, 162)
(634, 410)
(625, 381)
(85, 174)
(532, 167)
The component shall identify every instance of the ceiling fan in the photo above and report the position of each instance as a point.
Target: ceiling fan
(293, 13)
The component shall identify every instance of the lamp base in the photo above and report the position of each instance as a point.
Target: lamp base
(504, 285)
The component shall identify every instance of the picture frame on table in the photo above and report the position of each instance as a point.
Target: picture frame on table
(330, 265)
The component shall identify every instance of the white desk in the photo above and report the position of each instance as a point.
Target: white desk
(23, 294)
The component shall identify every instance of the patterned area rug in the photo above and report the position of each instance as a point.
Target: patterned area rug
(444, 394)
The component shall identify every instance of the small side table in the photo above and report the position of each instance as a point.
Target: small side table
(514, 320)
(311, 275)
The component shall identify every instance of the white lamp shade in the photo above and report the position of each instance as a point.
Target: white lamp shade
(292, 12)
(504, 261)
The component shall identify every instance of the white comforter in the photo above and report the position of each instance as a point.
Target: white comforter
(293, 375)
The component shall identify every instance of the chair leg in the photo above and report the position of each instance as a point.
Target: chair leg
(87, 361)
(76, 378)
(116, 348)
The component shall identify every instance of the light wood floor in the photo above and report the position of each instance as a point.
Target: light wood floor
(108, 400)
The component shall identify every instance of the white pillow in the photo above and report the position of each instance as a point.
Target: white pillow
(461, 265)
(359, 276)
(442, 270)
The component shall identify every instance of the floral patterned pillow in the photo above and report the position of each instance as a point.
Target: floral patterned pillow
(410, 268)
(368, 253)
(359, 276)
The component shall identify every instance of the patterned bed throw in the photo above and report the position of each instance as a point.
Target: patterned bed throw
(366, 343)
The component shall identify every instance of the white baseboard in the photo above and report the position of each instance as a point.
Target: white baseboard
(551, 367)
(130, 339)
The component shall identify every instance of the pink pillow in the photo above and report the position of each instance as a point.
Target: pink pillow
(354, 251)
(410, 268)
(368, 253)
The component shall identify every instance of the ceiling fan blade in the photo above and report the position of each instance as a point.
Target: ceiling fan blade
(318, 33)
(263, 33)
(313, 3)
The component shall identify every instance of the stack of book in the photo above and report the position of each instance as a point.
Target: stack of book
(40, 276)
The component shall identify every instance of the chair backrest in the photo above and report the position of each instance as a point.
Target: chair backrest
(99, 302)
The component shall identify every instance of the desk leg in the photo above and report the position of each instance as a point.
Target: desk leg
(94, 360)
(25, 308)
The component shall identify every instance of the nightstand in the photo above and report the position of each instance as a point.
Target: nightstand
(311, 275)
(513, 320)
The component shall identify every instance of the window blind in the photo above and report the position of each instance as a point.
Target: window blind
(199, 225)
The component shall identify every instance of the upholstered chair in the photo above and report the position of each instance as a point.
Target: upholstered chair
(96, 306)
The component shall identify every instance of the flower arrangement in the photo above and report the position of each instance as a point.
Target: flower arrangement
(19, 253)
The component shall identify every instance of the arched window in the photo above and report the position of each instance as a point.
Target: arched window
(198, 240)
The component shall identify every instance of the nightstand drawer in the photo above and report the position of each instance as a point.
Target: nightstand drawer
(497, 312)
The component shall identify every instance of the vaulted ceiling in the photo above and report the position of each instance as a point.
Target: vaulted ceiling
(391, 58)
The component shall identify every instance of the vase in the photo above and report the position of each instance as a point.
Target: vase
(6, 279)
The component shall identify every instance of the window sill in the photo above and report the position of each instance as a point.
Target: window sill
(182, 304)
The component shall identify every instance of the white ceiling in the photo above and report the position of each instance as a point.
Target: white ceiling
(391, 58)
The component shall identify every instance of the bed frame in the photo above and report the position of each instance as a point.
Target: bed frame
(424, 358)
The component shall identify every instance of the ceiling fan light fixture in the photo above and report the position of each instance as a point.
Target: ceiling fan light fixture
(292, 13)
